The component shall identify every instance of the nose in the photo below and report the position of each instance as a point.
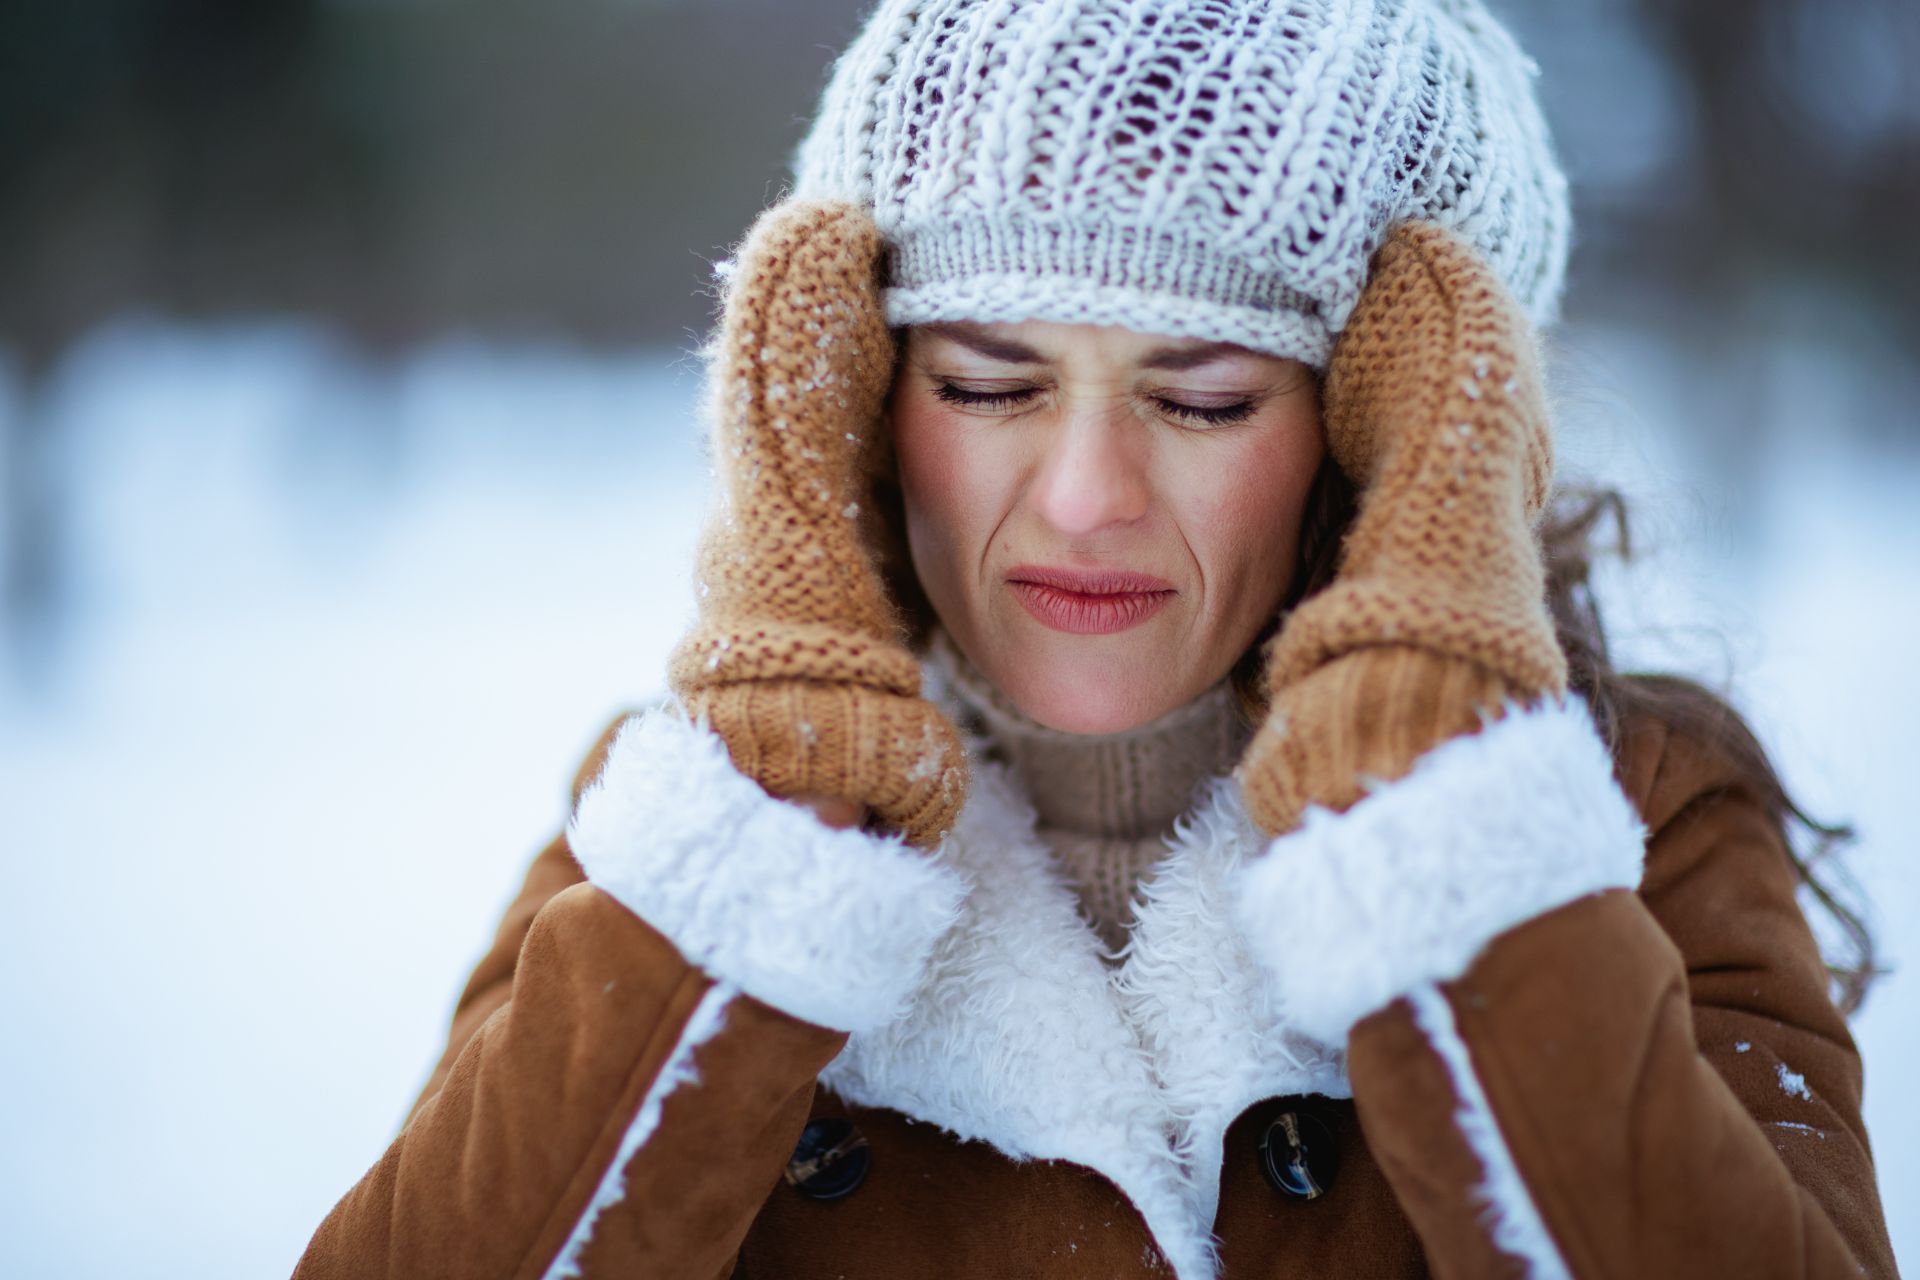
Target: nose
(1092, 475)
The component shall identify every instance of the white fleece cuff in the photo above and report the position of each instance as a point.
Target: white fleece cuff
(831, 926)
(1488, 830)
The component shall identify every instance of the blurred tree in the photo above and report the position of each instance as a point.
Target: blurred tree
(1808, 139)
(403, 168)
(399, 169)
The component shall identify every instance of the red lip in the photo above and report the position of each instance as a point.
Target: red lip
(1089, 602)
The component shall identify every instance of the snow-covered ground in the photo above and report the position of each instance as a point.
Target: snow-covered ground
(337, 634)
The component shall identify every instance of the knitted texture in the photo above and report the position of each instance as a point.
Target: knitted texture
(1105, 804)
(796, 658)
(1436, 620)
(1221, 169)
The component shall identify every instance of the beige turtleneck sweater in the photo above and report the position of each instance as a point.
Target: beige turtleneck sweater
(1105, 802)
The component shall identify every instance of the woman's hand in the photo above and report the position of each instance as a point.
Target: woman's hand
(1437, 617)
(796, 660)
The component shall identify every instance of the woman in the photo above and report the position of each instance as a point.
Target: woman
(1167, 904)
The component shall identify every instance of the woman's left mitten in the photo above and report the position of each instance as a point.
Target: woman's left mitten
(1436, 620)
(796, 659)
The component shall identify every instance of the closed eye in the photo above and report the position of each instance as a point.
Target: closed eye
(982, 399)
(1218, 416)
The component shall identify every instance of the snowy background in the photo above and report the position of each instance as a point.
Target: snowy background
(349, 484)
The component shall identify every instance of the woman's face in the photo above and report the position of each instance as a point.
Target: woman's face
(1103, 519)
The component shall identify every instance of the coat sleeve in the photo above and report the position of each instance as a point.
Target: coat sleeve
(1561, 1075)
(633, 1060)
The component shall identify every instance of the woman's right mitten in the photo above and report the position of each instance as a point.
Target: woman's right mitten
(796, 659)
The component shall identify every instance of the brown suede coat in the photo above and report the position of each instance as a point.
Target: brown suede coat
(1677, 1091)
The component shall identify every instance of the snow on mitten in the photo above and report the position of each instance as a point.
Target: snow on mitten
(1436, 620)
(796, 659)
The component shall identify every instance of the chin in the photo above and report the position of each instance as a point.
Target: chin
(1090, 693)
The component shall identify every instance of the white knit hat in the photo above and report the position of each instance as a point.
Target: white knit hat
(1220, 169)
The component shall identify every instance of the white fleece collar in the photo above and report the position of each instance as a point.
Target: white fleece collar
(1021, 1036)
(977, 997)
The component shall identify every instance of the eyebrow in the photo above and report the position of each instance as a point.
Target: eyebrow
(1005, 349)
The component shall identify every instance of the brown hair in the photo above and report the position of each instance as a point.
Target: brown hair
(1568, 532)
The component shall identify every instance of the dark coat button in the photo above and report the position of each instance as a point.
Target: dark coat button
(1298, 1155)
(830, 1160)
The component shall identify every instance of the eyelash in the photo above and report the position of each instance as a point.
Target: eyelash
(1224, 415)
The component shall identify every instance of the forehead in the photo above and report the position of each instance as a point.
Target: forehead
(1045, 341)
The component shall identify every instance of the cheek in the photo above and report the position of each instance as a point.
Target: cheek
(944, 484)
(1244, 520)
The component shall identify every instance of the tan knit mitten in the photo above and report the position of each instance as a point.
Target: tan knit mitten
(796, 658)
(1437, 616)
